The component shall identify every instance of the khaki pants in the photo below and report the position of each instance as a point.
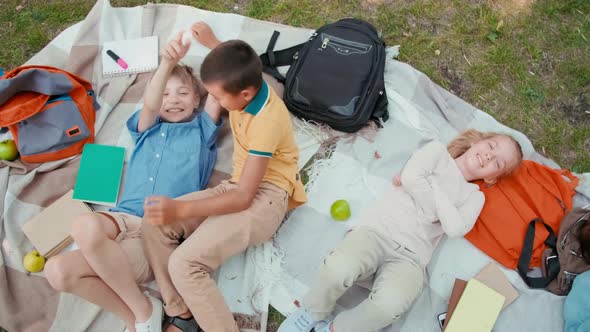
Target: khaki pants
(183, 254)
(129, 238)
(366, 257)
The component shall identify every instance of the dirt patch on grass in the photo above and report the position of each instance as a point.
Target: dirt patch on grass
(512, 7)
(456, 83)
(576, 109)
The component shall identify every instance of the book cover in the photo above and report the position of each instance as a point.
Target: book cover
(49, 231)
(456, 293)
(493, 277)
(477, 310)
(99, 174)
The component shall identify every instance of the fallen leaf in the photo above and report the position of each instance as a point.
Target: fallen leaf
(500, 24)
(492, 36)
(19, 7)
(405, 34)
(377, 155)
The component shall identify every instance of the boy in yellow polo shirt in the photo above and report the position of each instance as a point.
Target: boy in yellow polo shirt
(188, 238)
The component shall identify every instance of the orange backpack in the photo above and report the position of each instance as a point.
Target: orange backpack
(534, 193)
(49, 112)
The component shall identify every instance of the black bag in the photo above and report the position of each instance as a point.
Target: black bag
(562, 261)
(336, 77)
(571, 260)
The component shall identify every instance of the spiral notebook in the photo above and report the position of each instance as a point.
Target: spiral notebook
(141, 56)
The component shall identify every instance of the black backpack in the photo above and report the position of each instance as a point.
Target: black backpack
(336, 77)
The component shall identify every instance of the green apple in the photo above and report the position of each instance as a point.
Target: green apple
(340, 210)
(34, 262)
(8, 150)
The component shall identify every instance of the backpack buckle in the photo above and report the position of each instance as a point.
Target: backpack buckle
(549, 260)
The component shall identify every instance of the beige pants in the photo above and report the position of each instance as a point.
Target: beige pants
(366, 257)
(129, 238)
(183, 254)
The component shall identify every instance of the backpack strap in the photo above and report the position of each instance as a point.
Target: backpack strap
(381, 113)
(574, 181)
(273, 59)
(527, 252)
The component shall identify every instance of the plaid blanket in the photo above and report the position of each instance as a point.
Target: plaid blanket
(27, 302)
(280, 270)
(361, 166)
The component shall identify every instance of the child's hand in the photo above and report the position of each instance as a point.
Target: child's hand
(397, 181)
(160, 210)
(175, 50)
(204, 35)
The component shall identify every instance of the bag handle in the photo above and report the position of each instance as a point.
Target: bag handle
(526, 254)
(273, 59)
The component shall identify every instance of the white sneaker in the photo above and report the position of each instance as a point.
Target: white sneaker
(154, 323)
(299, 321)
(323, 326)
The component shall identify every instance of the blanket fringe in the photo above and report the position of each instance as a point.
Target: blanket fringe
(321, 162)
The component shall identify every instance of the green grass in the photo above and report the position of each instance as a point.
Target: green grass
(530, 69)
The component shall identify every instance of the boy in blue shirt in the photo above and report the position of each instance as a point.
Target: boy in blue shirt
(174, 155)
(186, 239)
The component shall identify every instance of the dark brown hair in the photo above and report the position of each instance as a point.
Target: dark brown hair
(187, 76)
(235, 65)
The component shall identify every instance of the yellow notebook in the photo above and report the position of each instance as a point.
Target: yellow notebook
(477, 310)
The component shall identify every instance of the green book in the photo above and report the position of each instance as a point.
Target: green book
(99, 174)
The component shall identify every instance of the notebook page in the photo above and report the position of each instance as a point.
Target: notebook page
(141, 55)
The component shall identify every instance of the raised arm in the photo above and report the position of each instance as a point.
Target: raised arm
(154, 93)
(213, 108)
(203, 34)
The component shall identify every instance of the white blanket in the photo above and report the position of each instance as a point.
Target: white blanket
(420, 111)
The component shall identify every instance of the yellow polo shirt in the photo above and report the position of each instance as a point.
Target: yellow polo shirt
(264, 129)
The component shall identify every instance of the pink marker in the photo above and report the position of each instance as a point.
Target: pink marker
(118, 60)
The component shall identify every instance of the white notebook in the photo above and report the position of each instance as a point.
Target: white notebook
(141, 55)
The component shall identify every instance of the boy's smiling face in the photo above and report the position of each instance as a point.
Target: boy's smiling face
(179, 101)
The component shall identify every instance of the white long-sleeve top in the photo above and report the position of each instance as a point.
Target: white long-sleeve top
(434, 199)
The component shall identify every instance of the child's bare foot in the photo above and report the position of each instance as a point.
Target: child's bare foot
(204, 35)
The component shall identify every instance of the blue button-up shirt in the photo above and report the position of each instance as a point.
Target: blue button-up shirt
(169, 159)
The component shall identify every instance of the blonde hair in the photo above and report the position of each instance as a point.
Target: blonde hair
(460, 144)
(187, 76)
